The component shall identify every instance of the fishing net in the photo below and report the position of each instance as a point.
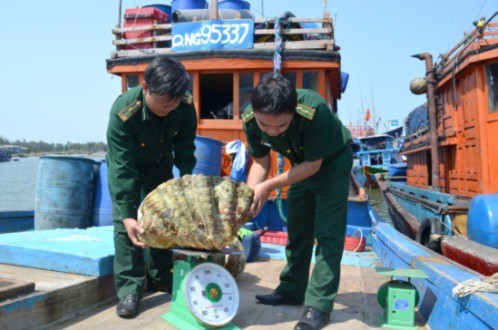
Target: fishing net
(195, 211)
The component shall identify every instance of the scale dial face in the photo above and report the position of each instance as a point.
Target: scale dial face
(211, 294)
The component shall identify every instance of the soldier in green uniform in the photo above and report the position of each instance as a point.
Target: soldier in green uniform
(151, 128)
(300, 126)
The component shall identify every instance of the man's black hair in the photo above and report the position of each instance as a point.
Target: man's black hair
(166, 77)
(274, 95)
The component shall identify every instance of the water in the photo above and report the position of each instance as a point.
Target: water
(17, 184)
(378, 204)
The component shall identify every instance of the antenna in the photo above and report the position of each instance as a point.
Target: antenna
(373, 110)
(262, 8)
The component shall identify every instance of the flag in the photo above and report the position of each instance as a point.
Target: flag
(367, 115)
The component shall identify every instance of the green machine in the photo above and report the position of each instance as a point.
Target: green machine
(204, 295)
(399, 298)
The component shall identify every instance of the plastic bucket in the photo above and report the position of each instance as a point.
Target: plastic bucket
(356, 243)
(164, 8)
(234, 4)
(188, 4)
(102, 204)
(64, 192)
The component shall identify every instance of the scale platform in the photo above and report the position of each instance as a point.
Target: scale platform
(205, 295)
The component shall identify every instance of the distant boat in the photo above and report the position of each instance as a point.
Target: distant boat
(5, 156)
(376, 154)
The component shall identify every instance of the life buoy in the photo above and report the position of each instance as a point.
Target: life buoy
(429, 234)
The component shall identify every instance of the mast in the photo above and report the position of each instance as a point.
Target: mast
(213, 9)
(373, 110)
(431, 101)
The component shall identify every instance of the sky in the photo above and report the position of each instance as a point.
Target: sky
(54, 86)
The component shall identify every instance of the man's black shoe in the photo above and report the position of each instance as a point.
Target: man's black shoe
(276, 298)
(128, 306)
(312, 319)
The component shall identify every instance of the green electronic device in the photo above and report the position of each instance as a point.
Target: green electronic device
(399, 298)
(204, 295)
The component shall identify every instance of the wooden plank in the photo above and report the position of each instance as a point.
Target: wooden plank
(58, 297)
(10, 288)
(123, 42)
(296, 20)
(356, 305)
(304, 44)
(142, 28)
(295, 31)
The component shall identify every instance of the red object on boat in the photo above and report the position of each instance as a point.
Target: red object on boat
(478, 257)
(355, 243)
(137, 17)
(275, 237)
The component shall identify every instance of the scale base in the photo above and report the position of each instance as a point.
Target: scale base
(188, 324)
(400, 327)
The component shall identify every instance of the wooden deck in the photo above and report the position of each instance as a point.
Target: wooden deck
(356, 306)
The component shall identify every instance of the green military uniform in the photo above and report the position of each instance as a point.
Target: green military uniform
(142, 151)
(316, 206)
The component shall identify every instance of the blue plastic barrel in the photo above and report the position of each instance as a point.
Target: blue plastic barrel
(344, 81)
(188, 4)
(270, 217)
(64, 192)
(208, 155)
(164, 8)
(234, 4)
(482, 222)
(102, 204)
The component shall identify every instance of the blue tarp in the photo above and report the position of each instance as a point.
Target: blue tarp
(418, 120)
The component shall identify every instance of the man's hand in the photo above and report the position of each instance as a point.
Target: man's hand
(261, 193)
(132, 228)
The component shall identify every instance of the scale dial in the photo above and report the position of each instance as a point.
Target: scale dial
(211, 294)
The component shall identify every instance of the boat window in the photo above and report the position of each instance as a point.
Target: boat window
(190, 83)
(291, 76)
(310, 80)
(216, 96)
(492, 75)
(131, 81)
(246, 87)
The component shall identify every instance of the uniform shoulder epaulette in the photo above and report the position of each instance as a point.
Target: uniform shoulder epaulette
(248, 115)
(131, 109)
(305, 111)
(188, 98)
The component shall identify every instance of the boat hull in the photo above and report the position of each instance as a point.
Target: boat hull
(422, 216)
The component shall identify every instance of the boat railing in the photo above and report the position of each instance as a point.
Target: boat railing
(484, 35)
(294, 38)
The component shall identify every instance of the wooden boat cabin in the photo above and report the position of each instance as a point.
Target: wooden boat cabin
(222, 80)
(466, 105)
(450, 200)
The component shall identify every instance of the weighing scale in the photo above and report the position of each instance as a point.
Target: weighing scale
(204, 295)
(399, 298)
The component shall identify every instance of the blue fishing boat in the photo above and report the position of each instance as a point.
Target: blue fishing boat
(376, 154)
(5, 156)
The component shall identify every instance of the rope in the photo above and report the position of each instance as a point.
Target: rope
(278, 200)
(277, 68)
(485, 284)
(361, 238)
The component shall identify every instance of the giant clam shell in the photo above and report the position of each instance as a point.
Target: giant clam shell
(195, 211)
